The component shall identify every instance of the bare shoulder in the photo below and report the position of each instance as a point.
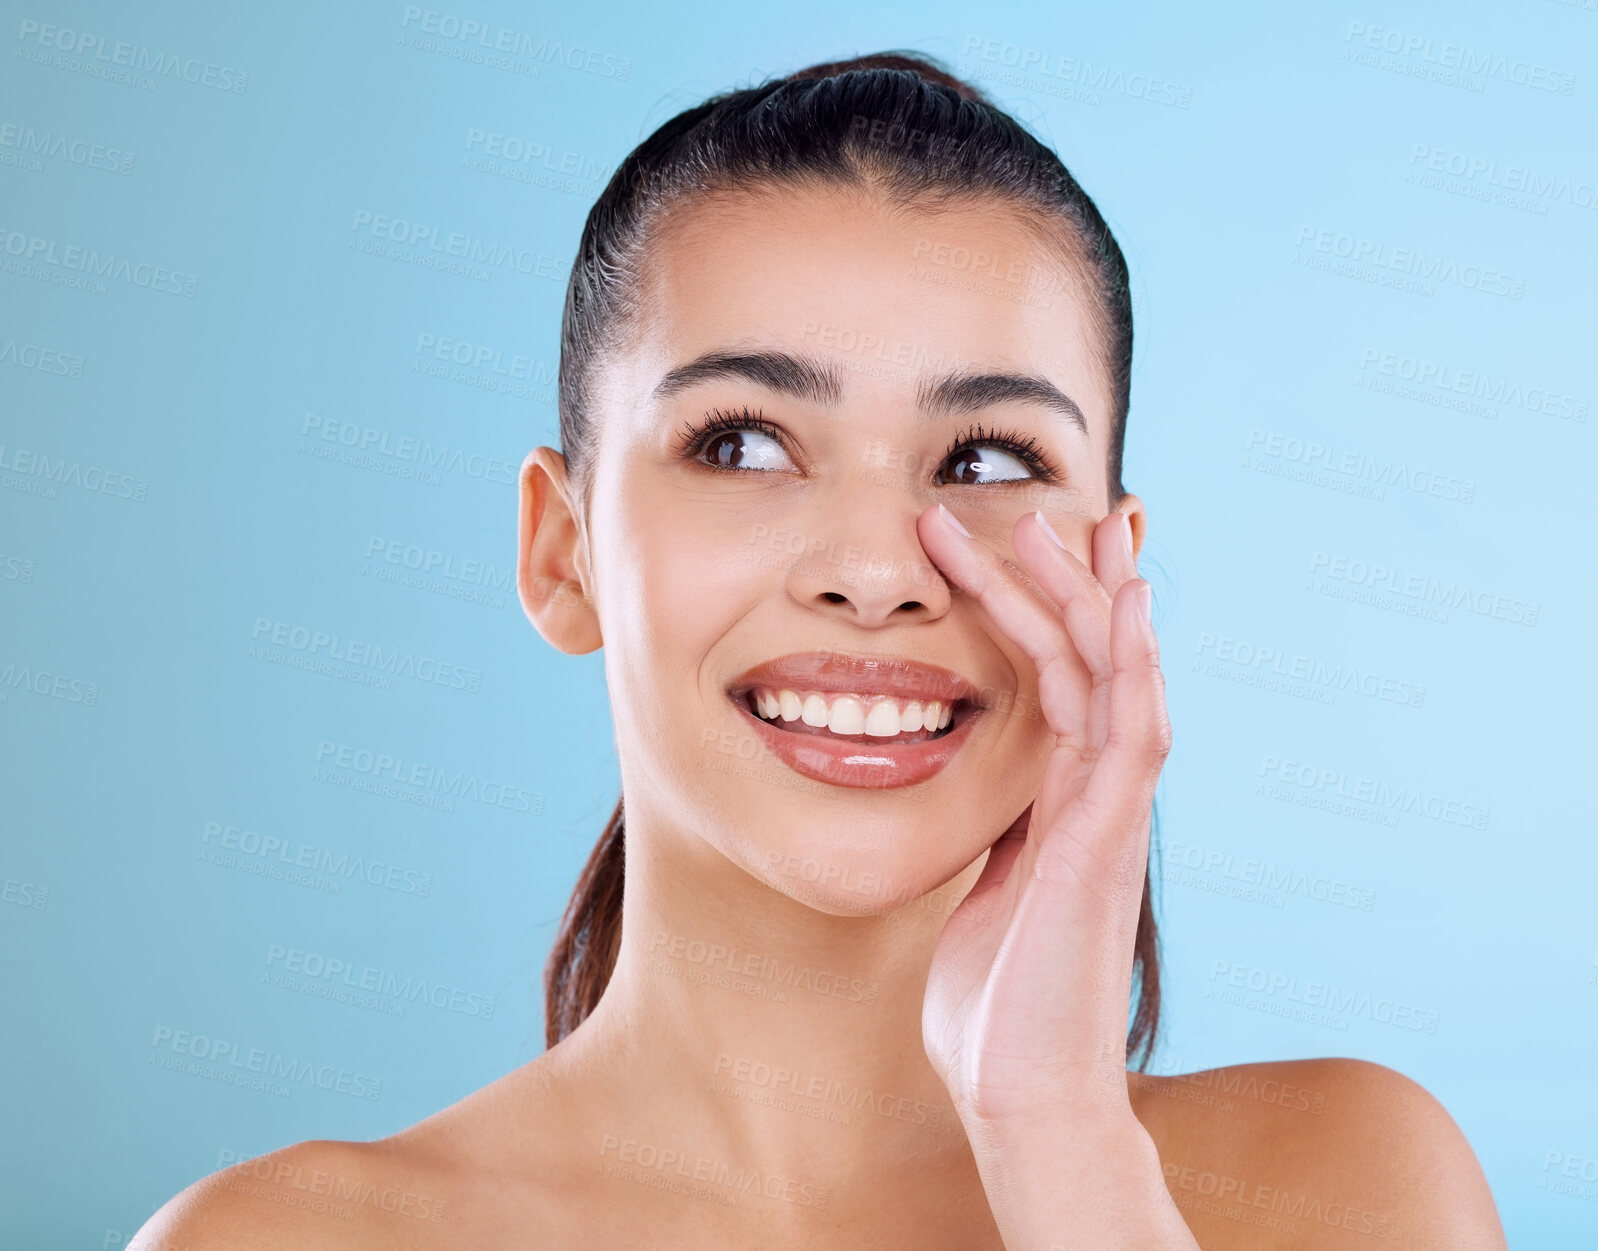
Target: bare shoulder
(314, 1194)
(458, 1178)
(1311, 1154)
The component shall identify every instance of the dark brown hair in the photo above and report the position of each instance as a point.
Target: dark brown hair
(904, 127)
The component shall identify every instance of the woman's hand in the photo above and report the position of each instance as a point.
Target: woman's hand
(1030, 984)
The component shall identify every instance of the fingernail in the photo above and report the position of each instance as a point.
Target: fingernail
(1126, 531)
(1043, 524)
(1145, 597)
(953, 521)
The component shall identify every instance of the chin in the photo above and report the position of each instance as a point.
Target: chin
(887, 864)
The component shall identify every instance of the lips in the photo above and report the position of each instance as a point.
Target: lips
(872, 761)
(864, 675)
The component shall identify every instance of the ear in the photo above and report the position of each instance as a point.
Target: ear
(1132, 508)
(552, 575)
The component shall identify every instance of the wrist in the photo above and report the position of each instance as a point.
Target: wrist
(1056, 1133)
(1089, 1107)
(1090, 1180)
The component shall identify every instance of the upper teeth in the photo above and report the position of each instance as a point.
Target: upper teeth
(881, 716)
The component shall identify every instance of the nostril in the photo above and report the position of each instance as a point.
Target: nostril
(832, 597)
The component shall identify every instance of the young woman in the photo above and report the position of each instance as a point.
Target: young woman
(844, 383)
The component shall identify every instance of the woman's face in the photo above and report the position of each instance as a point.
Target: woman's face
(859, 365)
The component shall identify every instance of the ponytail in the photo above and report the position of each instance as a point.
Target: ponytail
(584, 955)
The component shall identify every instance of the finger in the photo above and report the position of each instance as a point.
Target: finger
(1109, 817)
(1113, 562)
(1037, 628)
(1083, 602)
(988, 891)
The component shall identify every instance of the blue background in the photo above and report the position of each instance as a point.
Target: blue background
(1235, 153)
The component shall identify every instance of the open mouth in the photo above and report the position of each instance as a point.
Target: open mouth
(876, 722)
(845, 716)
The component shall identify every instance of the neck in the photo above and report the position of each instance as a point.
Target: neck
(741, 1025)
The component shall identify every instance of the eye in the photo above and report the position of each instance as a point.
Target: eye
(736, 441)
(986, 464)
(980, 456)
(744, 449)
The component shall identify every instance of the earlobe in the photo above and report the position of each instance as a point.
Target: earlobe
(1132, 507)
(549, 565)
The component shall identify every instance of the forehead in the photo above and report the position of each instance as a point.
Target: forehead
(888, 293)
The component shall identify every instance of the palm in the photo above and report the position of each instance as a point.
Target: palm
(1029, 985)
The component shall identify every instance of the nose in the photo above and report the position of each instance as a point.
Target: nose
(872, 572)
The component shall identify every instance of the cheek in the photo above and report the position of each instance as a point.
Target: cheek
(673, 583)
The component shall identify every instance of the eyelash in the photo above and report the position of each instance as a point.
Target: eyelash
(697, 436)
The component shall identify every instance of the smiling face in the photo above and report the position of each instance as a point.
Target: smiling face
(807, 373)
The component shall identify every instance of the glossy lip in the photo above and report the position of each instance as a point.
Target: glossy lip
(850, 762)
(863, 675)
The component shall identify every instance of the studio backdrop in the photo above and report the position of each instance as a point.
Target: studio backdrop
(287, 773)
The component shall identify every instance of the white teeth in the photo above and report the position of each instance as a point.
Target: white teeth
(878, 716)
(848, 716)
(883, 721)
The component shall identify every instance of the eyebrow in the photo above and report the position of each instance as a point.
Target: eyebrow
(806, 378)
(798, 376)
(966, 392)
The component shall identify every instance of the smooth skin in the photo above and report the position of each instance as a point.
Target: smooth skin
(948, 1071)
